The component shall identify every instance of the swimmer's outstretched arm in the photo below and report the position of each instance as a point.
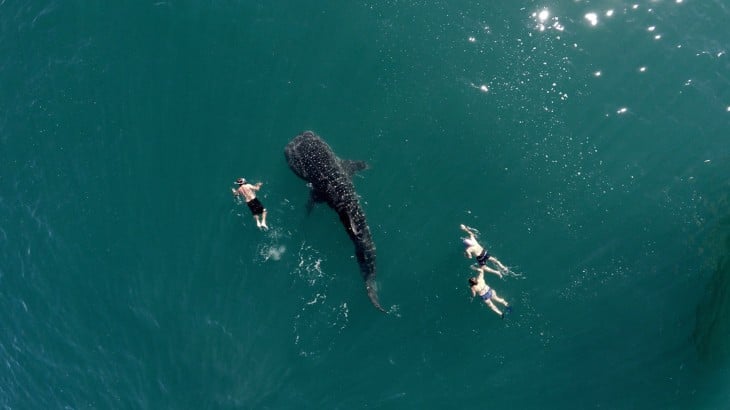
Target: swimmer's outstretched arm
(469, 231)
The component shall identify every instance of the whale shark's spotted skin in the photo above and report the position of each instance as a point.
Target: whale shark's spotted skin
(331, 181)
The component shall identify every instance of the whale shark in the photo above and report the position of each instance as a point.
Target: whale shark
(330, 181)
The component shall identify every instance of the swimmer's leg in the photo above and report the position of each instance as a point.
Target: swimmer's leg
(498, 299)
(493, 306)
(263, 222)
(498, 263)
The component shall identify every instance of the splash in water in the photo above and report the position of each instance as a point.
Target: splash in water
(271, 248)
(273, 252)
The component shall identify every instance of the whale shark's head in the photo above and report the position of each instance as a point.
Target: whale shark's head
(304, 151)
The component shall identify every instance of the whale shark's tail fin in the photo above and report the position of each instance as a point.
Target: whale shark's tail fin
(373, 295)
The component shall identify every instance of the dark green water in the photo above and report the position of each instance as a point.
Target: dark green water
(129, 278)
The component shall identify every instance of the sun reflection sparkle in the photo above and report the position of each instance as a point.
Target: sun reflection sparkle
(592, 18)
(545, 21)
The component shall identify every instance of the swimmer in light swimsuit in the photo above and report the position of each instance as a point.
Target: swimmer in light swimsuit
(488, 295)
(248, 192)
(475, 250)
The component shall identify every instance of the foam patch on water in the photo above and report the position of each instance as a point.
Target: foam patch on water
(513, 272)
(270, 248)
(272, 252)
(309, 265)
(394, 310)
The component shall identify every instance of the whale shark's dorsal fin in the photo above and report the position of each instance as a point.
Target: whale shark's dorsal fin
(353, 166)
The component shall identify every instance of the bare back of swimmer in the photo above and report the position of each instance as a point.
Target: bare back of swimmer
(475, 250)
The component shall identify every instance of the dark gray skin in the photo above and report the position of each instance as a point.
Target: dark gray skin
(331, 181)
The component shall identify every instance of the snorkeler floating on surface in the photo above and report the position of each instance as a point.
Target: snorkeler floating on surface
(474, 249)
(248, 192)
(480, 288)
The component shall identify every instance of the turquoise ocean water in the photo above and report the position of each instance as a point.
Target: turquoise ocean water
(586, 140)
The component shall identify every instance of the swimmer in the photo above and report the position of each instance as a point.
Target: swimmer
(488, 295)
(248, 192)
(474, 249)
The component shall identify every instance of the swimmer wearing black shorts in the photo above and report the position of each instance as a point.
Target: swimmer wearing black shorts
(255, 206)
(248, 192)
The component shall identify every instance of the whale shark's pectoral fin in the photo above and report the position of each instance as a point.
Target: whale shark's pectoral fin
(354, 166)
(314, 197)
